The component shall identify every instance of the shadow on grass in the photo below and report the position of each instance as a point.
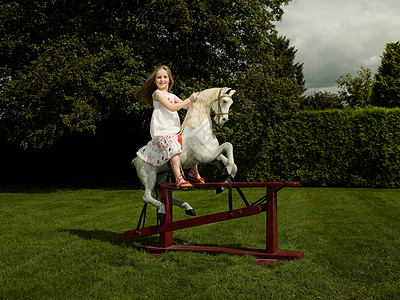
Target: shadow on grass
(47, 189)
(112, 237)
(117, 239)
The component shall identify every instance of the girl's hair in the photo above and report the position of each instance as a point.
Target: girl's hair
(144, 94)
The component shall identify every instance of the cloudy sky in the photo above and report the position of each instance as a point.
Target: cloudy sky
(336, 37)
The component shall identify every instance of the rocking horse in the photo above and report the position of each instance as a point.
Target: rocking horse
(199, 145)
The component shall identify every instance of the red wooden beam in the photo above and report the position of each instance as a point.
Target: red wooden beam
(218, 217)
(234, 184)
(258, 253)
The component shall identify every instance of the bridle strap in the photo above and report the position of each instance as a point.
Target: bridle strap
(219, 103)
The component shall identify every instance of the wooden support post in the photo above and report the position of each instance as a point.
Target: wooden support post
(166, 238)
(272, 222)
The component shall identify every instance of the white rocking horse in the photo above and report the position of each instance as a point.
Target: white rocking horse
(199, 144)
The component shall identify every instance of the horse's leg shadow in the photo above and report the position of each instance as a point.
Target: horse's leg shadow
(113, 238)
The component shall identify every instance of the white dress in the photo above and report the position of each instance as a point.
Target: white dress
(165, 142)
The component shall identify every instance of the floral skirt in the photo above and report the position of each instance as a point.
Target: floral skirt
(162, 150)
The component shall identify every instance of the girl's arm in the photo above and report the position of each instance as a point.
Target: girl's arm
(194, 95)
(179, 104)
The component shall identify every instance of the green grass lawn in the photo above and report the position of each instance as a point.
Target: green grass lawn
(67, 243)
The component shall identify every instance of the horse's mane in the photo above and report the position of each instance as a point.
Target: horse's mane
(200, 110)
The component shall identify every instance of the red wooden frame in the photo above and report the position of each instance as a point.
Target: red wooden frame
(270, 255)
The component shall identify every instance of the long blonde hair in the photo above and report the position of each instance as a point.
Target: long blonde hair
(146, 91)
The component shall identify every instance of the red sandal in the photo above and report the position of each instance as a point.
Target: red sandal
(195, 177)
(181, 183)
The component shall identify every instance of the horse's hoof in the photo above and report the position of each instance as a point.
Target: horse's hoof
(219, 190)
(161, 216)
(190, 212)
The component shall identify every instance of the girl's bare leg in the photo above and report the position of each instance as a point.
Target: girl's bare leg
(194, 174)
(194, 169)
(176, 169)
(176, 166)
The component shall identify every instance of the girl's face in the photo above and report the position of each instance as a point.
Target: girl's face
(162, 80)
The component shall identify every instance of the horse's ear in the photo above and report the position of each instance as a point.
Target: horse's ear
(230, 92)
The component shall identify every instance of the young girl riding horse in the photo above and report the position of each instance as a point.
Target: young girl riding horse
(166, 144)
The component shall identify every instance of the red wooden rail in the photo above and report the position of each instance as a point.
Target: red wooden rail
(268, 256)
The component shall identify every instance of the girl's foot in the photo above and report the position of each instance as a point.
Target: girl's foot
(195, 176)
(181, 183)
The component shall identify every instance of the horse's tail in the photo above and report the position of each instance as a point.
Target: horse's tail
(182, 127)
(134, 161)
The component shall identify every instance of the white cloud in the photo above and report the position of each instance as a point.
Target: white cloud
(334, 38)
(373, 61)
(330, 89)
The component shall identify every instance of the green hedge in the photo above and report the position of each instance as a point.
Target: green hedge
(326, 148)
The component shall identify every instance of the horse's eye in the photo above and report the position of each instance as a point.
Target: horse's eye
(225, 101)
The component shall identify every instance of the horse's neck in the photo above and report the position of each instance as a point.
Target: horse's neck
(204, 131)
(197, 113)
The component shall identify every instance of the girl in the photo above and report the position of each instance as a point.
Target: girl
(166, 144)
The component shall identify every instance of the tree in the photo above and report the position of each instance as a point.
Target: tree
(356, 92)
(284, 58)
(386, 91)
(68, 66)
(320, 101)
(62, 70)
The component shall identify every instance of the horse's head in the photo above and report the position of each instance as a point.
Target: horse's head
(217, 99)
(222, 104)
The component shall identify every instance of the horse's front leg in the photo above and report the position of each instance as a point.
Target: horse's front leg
(229, 162)
(224, 160)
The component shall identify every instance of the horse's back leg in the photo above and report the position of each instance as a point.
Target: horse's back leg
(188, 209)
(148, 176)
(181, 204)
